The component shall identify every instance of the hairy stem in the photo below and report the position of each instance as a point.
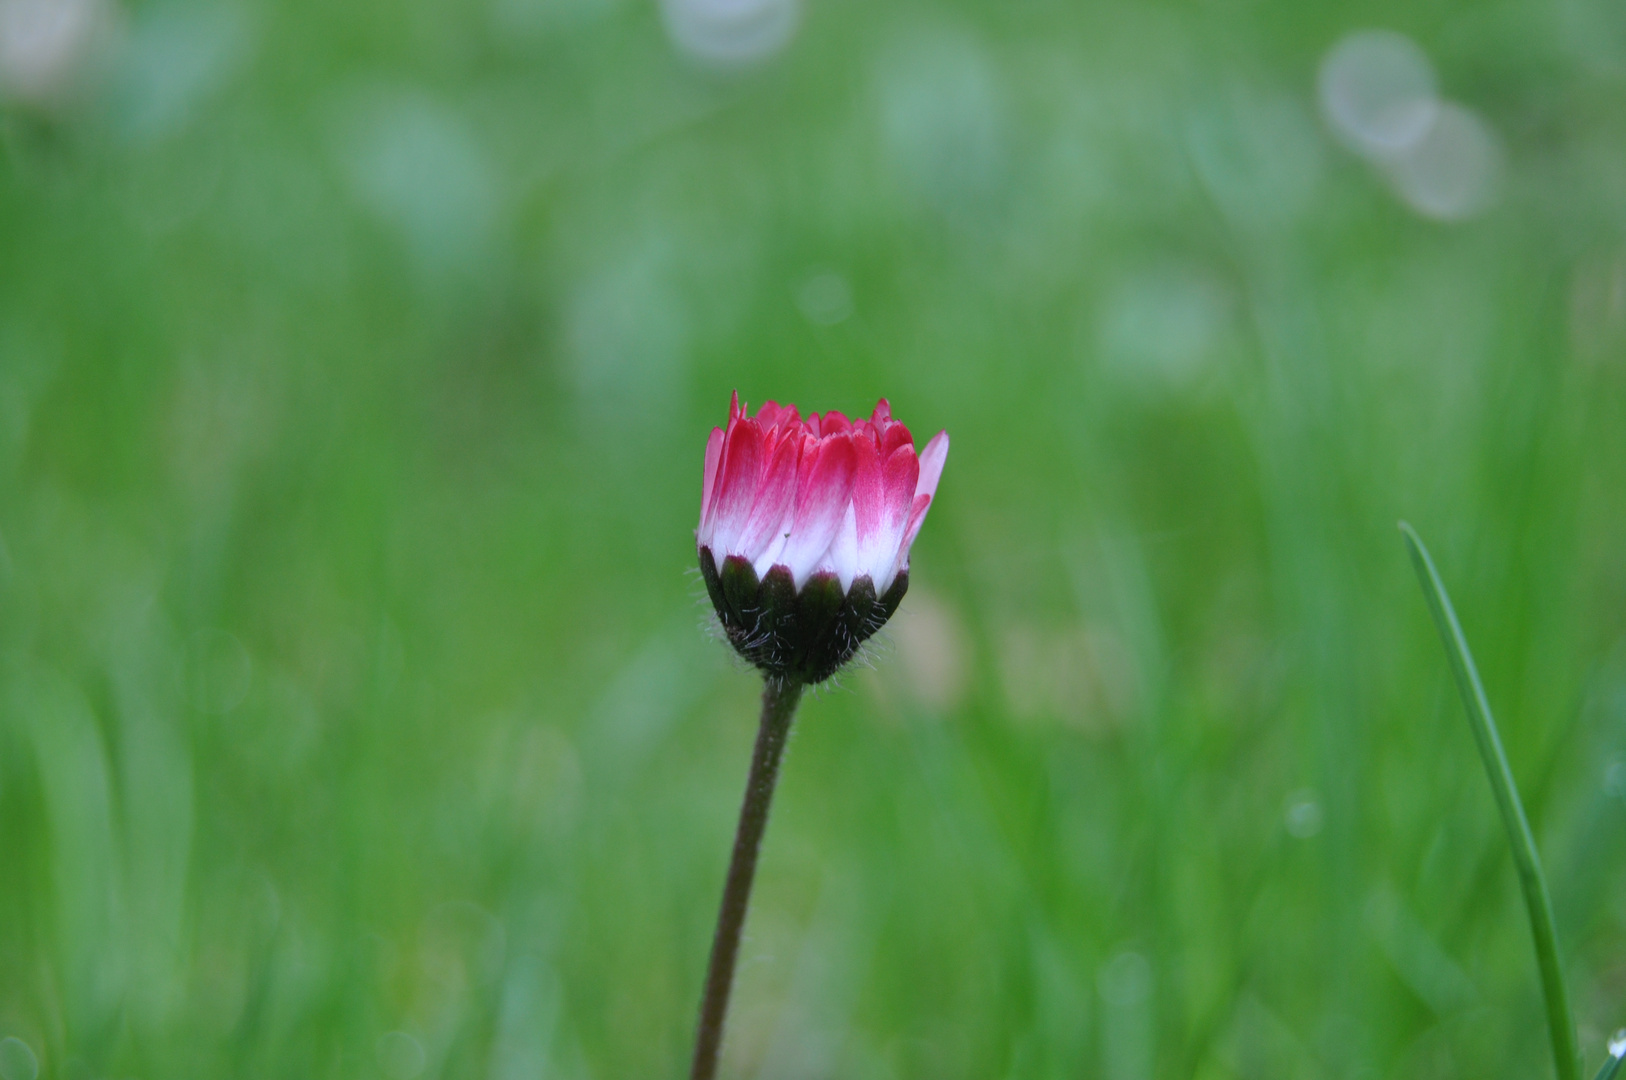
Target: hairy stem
(779, 700)
(1560, 1021)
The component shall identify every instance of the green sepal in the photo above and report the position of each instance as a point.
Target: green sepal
(740, 588)
(804, 635)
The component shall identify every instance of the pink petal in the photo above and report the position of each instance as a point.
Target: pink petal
(868, 493)
(774, 498)
(899, 474)
(894, 435)
(708, 512)
(736, 485)
(931, 470)
(842, 557)
(823, 494)
(878, 550)
(714, 456)
(931, 463)
(917, 518)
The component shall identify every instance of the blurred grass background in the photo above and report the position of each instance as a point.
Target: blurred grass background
(357, 715)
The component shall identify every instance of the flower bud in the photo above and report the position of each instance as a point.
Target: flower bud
(805, 530)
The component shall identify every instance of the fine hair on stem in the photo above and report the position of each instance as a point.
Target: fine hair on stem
(779, 699)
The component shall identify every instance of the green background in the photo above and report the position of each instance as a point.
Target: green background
(358, 712)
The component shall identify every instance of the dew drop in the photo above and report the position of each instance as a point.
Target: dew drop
(1303, 817)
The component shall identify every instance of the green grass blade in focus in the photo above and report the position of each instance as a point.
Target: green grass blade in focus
(1560, 1021)
(1617, 1053)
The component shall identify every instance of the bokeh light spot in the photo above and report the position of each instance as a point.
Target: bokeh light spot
(1303, 818)
(1165, 324)
(1377, 91)
(401, 1056)
(825, 299)
(729, 33)
(942, 120)
(45, 45)
(17, 1060)
(414, 162)
(627, 334)
(1453, 171)
(1614, 779)
(1378, 97)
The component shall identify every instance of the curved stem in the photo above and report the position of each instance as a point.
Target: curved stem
(778, 707)
(1560, 1021)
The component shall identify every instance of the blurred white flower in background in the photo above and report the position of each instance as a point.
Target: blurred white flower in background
(47, 45)
(731, 33)
(1379, 97)
(1377, 92)
(1453, 171)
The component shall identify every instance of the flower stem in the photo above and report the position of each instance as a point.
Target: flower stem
(779, 698)
(1560, 1021)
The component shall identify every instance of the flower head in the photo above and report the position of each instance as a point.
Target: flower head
(805, 530)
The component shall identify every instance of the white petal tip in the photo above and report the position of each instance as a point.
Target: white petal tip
(931, 464)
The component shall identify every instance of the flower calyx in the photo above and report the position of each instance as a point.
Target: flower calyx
(804, 635)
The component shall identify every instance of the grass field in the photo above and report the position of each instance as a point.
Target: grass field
(358, 711)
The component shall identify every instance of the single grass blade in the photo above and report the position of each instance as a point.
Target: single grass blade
(1560, 1021)
(1617, 1051)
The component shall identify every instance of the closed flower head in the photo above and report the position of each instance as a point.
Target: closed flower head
(805, 529)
